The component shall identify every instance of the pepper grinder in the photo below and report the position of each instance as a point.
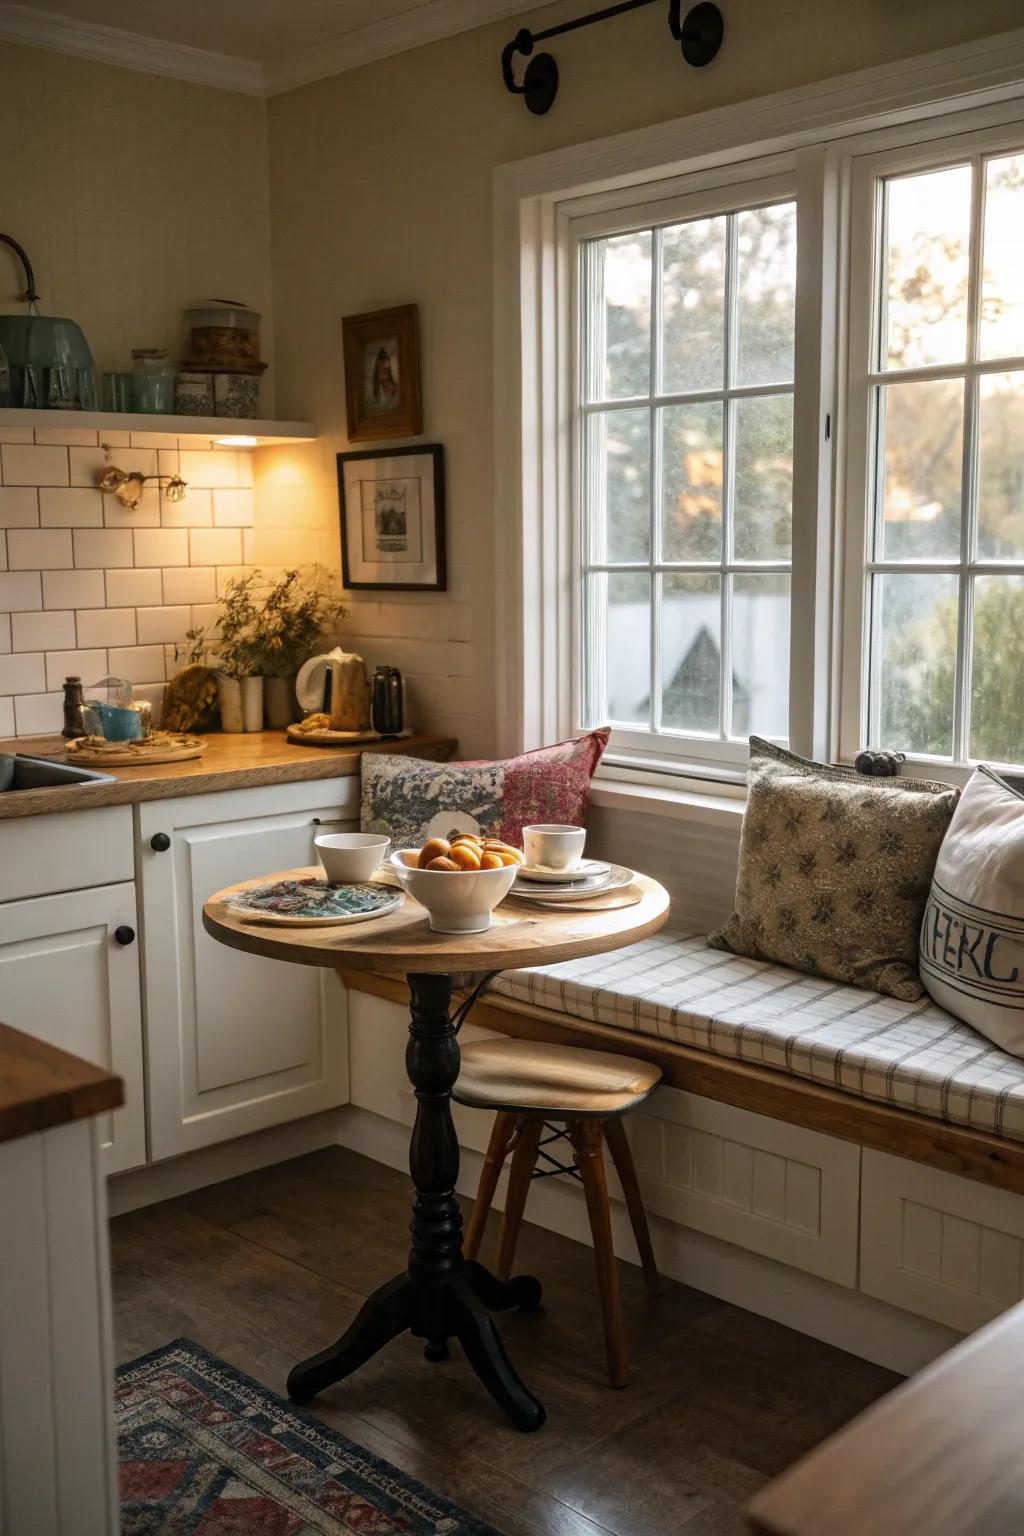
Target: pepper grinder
(74, 701)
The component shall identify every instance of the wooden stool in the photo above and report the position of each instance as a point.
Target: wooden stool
(531, 1084)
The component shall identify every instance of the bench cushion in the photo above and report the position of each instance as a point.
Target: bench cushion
(911, 1055)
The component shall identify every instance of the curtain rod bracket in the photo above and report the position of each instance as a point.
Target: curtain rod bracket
(699, 34)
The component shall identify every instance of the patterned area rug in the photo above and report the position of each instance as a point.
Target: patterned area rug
(206, 1451)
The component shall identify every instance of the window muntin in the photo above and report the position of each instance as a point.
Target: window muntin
(945, 484)
(685, 483)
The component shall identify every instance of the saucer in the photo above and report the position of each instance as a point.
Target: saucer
(586, 869)
(616, 878)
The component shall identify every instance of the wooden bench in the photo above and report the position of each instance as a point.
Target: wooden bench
(973, 1154)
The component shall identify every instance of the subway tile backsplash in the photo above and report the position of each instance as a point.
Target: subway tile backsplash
(89, 587)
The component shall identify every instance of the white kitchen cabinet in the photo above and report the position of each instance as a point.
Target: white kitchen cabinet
(66, 979)
(235, 1043)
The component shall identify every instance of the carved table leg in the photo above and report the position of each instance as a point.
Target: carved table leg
(441, 1295)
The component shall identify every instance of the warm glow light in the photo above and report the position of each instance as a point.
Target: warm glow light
(237, 442)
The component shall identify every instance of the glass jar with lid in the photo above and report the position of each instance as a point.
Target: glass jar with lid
(152, 381)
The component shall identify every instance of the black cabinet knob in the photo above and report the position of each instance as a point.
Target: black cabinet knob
(124, 934)
(159, 842)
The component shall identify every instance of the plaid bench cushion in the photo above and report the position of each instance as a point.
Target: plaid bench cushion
(912, 1055)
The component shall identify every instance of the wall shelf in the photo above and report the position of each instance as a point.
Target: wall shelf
(267, 433)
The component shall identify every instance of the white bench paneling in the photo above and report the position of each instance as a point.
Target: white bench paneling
(941, 1246)
(779, 1190)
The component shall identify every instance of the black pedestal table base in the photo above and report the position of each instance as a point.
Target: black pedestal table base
(441, 1295)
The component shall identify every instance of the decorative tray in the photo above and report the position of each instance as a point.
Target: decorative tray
(158, 747)
(312, 903)
(315, 731)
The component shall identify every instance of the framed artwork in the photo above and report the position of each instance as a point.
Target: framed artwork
(382, 373)
(392, 519)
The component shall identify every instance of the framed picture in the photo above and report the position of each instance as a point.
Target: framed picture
(392, 519)
(382, 373)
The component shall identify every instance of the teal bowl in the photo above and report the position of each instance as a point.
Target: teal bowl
(43, 341)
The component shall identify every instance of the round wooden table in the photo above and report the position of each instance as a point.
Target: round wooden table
(441, 1295)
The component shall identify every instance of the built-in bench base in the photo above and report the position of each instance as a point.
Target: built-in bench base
(834, 1214)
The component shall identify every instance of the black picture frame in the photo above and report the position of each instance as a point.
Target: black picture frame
(353, 555)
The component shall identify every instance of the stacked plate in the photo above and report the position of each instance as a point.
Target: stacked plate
(591, 877)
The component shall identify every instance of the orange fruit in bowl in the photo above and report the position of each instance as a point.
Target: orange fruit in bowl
(466, 855)
(491, 861)
(442, 865)
(434, 848)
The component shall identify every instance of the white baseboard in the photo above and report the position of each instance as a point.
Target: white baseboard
(873, 1330)
(212, 1165)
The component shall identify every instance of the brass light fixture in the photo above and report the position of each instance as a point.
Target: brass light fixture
(128, 485)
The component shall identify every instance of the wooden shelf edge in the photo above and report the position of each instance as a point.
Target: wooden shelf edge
(268, 433)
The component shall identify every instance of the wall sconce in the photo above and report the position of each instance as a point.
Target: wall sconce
(128, 485)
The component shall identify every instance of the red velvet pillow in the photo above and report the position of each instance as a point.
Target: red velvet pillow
(407, 799)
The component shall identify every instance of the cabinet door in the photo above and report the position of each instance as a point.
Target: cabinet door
(65, 979)
(235, 1042)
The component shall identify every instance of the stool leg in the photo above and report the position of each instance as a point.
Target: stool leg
(587, 1139)
(622, 1157)
(502, 1132)
(524, 1157)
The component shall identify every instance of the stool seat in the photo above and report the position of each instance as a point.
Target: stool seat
(530, 1077)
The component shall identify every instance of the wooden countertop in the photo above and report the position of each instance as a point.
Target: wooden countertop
(41, 1086)
(229, 762)
(940, 1456)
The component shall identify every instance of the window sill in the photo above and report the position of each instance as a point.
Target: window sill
(677, 804)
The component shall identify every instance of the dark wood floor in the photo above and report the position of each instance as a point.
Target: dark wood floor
(269, 1267)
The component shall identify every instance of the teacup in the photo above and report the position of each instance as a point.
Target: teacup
(350, 857)
(554, 847)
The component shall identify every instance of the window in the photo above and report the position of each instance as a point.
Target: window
(937, 454)
(685, 453)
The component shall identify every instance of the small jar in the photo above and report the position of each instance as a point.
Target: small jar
(152, 381)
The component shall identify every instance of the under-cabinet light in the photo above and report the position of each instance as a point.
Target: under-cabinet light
(237, 442)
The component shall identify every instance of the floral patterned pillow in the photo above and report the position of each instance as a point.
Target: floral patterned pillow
(409, 800)
(835, 870)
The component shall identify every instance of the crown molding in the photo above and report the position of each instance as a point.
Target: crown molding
(110, 45)
(428, 22)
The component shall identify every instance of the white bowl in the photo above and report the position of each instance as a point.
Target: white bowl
(349, 857)
(456, 901)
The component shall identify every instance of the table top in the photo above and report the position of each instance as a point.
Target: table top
(42, 1086)
(402, 941)
(940, 1454)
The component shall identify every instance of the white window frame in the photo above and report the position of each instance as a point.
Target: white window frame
(813, 132)
(697, 197)
(969, 143)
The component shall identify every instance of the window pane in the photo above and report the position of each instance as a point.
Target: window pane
(619, 472)
(629, 647)
(763, 492)
(1002, 292)
(928, 221)
(691, 446)
(693, 306)
(766, 287)
(915, 669)
(997, 684)
(760, 656)
(1001, 467)
(691, 652)
(619, 330)
(922, 428)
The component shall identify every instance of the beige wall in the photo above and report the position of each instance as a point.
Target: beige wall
(381, 194)
(133, 195)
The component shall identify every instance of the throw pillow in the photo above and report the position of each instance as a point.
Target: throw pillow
(835, 870)
(409, 800)
(972, 936)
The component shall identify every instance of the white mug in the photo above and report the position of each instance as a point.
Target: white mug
(554, 847)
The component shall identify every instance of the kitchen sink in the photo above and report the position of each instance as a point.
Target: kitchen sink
(21, 771)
